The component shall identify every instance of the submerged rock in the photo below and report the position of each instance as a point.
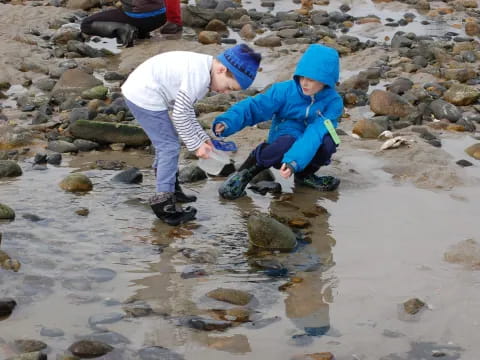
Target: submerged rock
(264, 187)
(28, 345)
(232, 296)
(51, 332)
(137, 309)
(89, 349)
(474, 151)
(9, 168)
(205, 324)
(158, 352)
(129, 176)
(413, 306)
(6, 306)
(37, 355)
(315, 356)
(76, 182)
(6, 213)
(465, 252)
(267, 233)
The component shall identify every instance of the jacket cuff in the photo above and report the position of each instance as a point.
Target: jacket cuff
(292, 166)
(215, 124)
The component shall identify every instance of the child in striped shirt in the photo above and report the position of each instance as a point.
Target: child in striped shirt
(178, 79)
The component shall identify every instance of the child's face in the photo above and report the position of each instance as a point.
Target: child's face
(223, 83)
(309, 86)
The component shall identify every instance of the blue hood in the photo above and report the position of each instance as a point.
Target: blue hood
(320, 63)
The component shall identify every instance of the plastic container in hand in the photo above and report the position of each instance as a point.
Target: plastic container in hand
(215, 163)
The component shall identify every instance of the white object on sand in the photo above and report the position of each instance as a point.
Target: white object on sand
(387, 134)
(395, 142)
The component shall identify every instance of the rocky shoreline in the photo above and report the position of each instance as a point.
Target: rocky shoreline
(61, 106)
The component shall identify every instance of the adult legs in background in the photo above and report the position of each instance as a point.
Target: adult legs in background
(114, 23)
(174, 18)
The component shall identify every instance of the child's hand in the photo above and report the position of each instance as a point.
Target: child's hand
(204, 150)
(285, 171)
(219, 129)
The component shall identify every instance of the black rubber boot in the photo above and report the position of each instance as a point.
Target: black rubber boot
(234, 186)
(170, 213)
(320, 183)
(180, 196)
(123, 32)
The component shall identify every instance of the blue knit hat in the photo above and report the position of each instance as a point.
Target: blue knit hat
(242, 62)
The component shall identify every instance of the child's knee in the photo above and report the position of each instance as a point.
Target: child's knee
(172, 149)
(329, 145)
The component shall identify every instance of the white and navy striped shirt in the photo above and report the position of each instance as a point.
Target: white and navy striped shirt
(177, 78)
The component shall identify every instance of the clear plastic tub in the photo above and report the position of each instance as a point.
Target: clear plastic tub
(215, 163)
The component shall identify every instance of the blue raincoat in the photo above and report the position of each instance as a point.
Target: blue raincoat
(292, 112)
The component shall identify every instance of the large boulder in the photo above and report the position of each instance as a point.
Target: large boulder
(387, 103)
(267, 233)
(73, 82)
(109, 133)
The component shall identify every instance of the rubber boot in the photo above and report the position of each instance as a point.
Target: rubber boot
(180, 196)
(171, 28)
(123, 32)
(170, 213)
(234, 186)
(320, 183)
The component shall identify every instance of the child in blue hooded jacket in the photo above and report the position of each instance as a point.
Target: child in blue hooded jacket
(304, 113)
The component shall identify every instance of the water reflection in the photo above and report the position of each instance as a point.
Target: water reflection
(307, 303)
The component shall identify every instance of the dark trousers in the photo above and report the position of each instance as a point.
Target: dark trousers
(144, 25)
(268, 155)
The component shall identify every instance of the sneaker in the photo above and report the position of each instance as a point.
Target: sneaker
(321, 183)
(171, 28)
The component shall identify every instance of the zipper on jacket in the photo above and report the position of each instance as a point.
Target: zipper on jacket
(309, 106)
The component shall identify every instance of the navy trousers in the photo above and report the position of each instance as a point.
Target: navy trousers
(268, 155)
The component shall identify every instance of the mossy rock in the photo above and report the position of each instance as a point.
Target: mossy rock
(109, 133)
(76, 182)
(6, 213)
(267, 233)
(9, 168)
(97, 92)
